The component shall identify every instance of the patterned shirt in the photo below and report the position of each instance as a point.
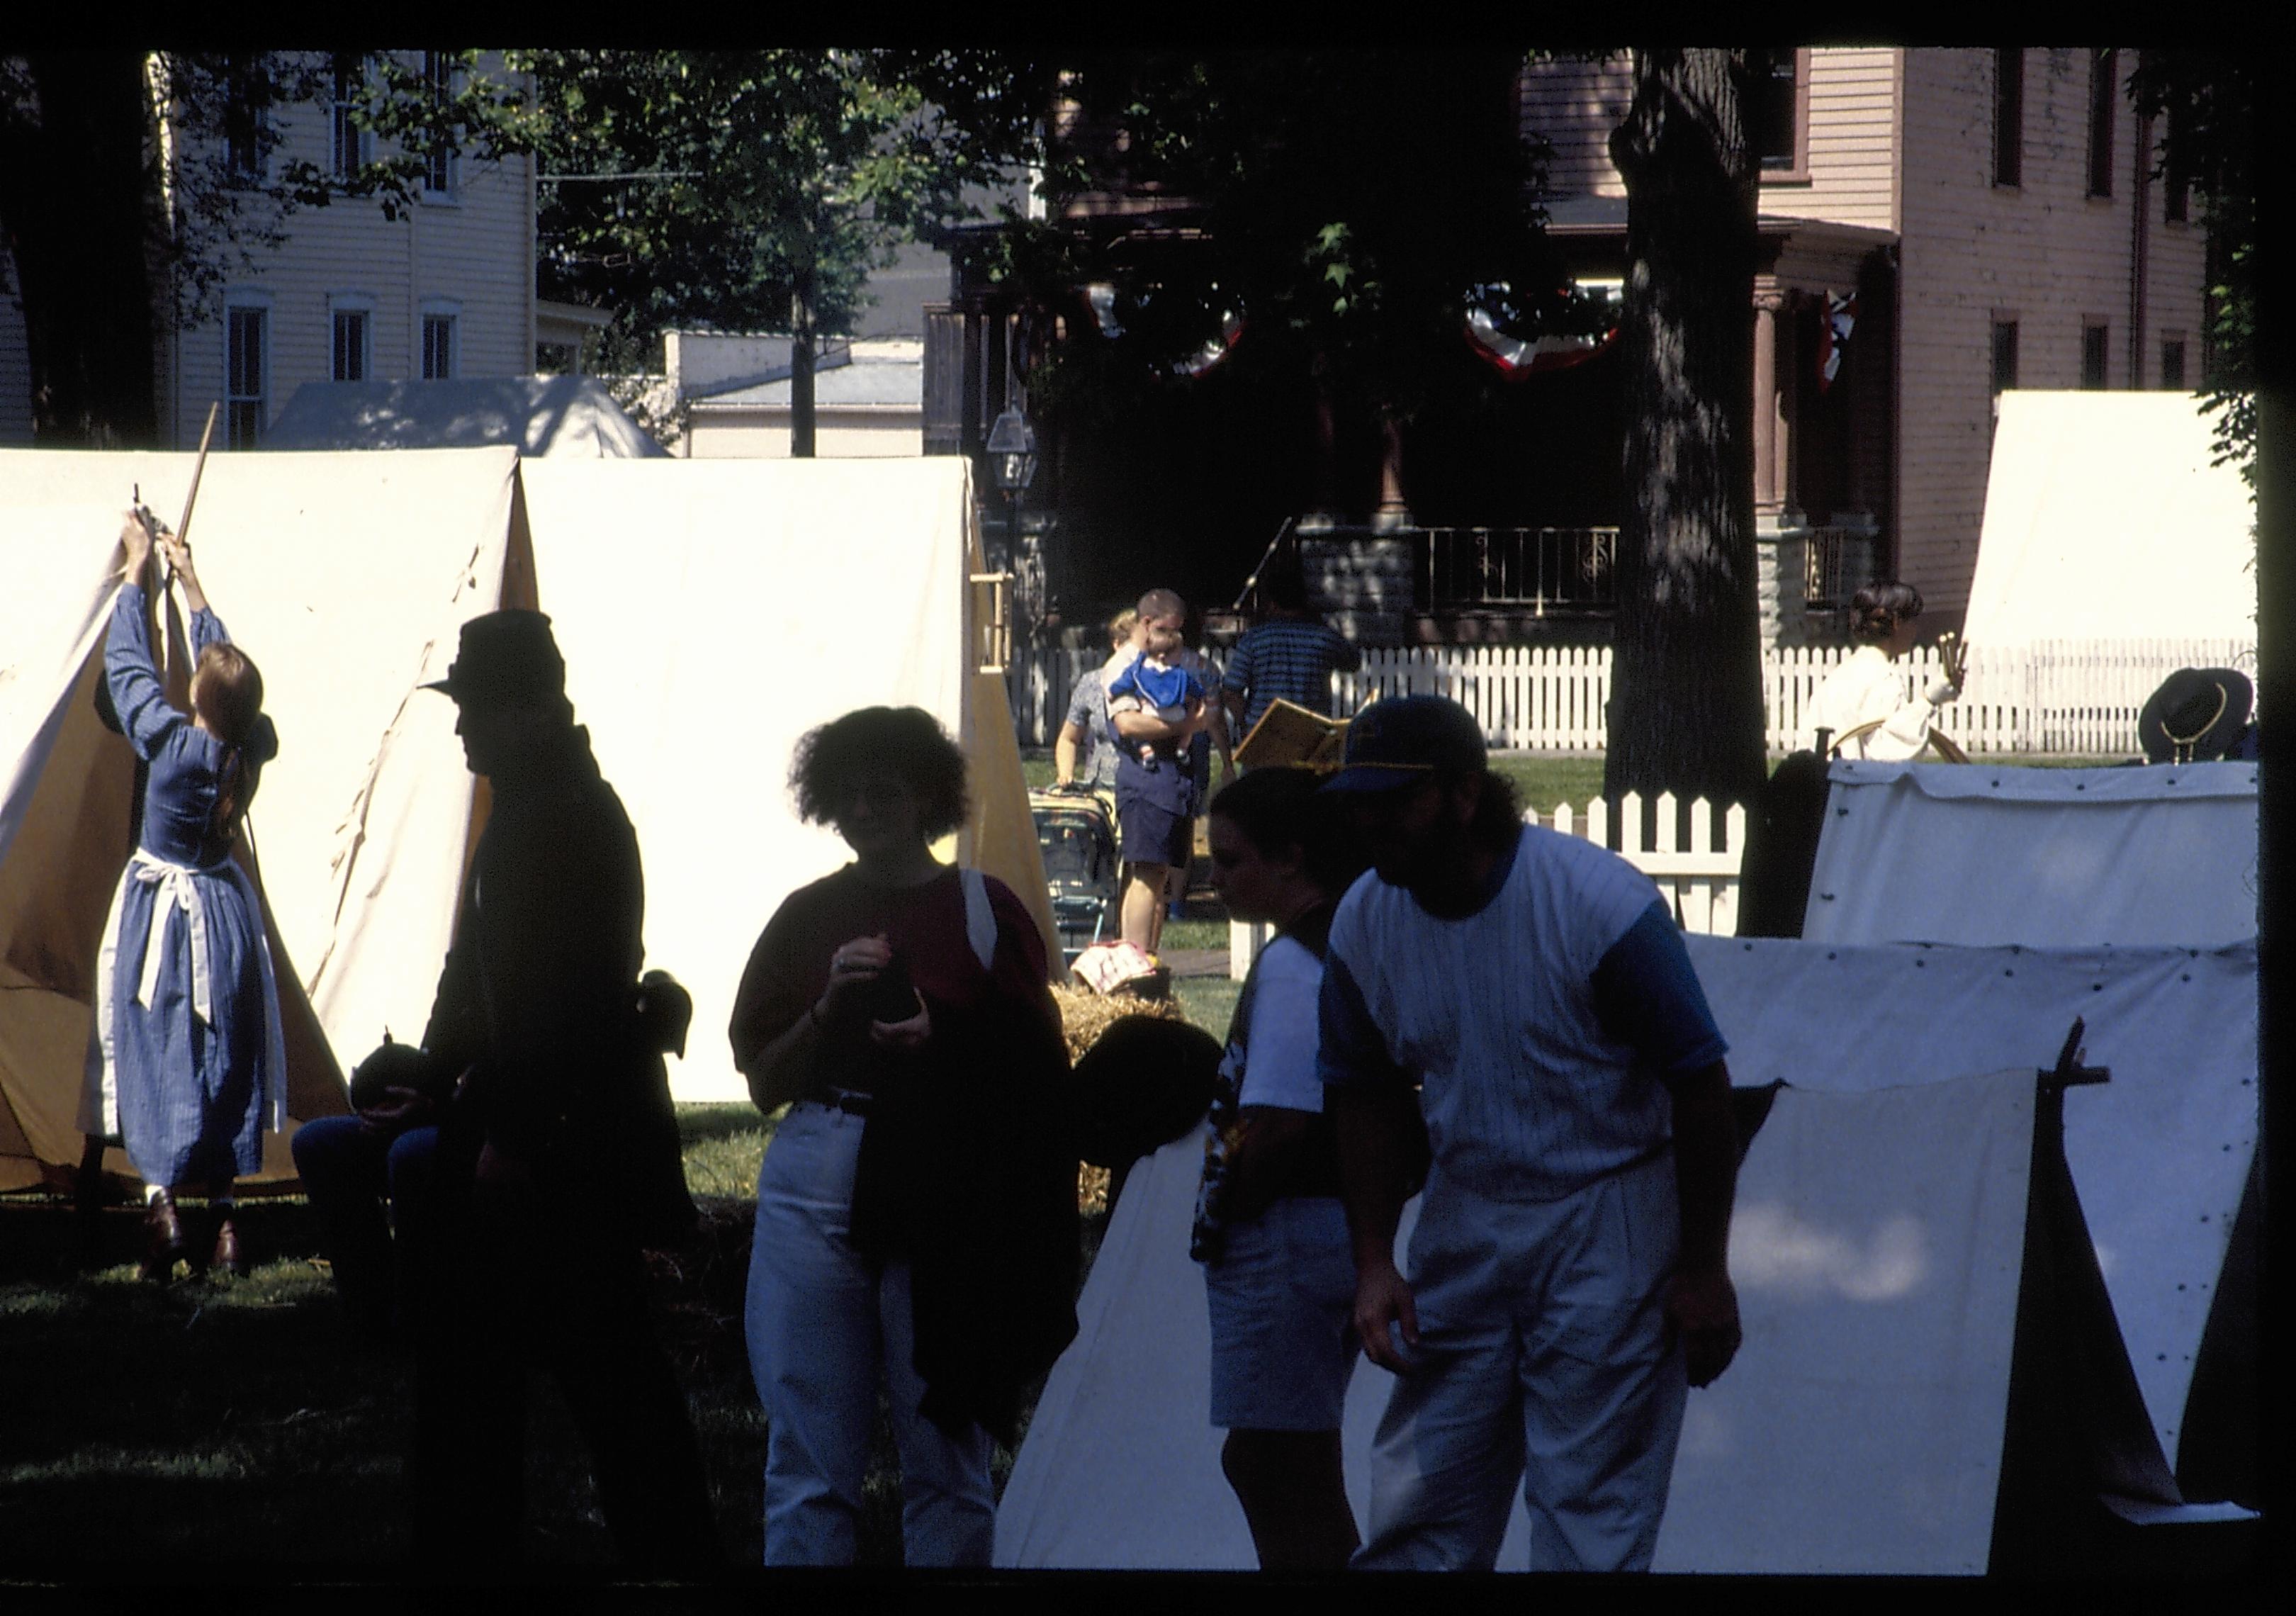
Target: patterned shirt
(1294, 661)
(1088, 712)
(1543, 1028)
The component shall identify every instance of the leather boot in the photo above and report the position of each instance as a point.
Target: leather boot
(227, 1258)
(164, 1226)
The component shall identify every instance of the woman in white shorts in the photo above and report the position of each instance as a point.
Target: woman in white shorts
(1271, 1231)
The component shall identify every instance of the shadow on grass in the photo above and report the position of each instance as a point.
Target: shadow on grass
(215, 1430)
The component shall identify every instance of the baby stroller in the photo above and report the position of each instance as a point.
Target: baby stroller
(1078, 842)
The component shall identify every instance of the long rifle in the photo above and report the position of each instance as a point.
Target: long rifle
(192, 495)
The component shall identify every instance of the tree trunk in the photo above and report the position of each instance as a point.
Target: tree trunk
(75, 196)
(1687, 683)
(801, 376)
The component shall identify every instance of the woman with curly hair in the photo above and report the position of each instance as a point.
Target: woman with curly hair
(1864, 699)
(916, 1208)
(187, 1010)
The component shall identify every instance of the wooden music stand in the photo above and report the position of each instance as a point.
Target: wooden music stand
(1290, 733)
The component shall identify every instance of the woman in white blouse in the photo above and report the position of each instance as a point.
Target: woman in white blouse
(1864, 699)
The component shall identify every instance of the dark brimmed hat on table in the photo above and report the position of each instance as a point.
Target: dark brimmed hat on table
(2197, 715)
(504, 658)
(1405, 740)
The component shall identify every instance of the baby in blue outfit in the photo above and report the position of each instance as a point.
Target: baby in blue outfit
(1148, 684)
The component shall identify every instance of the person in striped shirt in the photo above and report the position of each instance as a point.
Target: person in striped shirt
(1568, 1280)
(1291, 655)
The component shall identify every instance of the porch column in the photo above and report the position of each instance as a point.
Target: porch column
(1781, 538)
(1787, 375)
(1767, 302)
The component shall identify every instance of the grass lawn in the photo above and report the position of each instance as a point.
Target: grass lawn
(199, 1430)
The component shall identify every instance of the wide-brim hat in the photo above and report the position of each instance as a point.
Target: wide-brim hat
(503, 658)
(2195, 716)
(1405, 740)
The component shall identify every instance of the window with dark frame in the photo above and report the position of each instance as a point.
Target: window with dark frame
(348, 148)
(2009, 117)
(2097, 347)
(2103, 83)
(2175, 186)
(438, 347)
(2172, 364)
(1774, 129)
(2005, 373)
(350, 344)
(2005, 356)
(245, 330)
(439, 69)
(242, 122)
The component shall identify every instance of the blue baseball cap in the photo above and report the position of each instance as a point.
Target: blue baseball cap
(1405, 740)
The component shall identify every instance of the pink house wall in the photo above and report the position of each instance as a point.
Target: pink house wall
(2044, 253)
(1902, 139)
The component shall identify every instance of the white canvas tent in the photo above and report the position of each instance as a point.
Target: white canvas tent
(560, 416)
(346, 578)
(1845, 1223)
(2048, 858)
(711, 612)
(2106, 519)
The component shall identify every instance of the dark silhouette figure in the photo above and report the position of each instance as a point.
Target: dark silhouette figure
(557, 1158)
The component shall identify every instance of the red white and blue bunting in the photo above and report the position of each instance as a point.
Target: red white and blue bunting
(1833, 336)
(1515, 357)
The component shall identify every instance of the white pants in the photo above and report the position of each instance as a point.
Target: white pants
(1544, 1356)
(822, 1322)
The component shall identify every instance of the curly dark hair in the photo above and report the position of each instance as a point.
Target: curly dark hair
(908, 742)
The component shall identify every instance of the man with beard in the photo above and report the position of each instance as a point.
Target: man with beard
(1568, 1281)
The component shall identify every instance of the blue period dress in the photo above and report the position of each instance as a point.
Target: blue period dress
(187, 1009)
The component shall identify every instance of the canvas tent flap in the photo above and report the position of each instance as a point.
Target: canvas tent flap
(1121, 1469)
(1876, 1249)
(2160, 1154)
(711, 613)
(2107, 517)
(345, 577)
(537, 415)
(1121, 1466)
(1960, 853)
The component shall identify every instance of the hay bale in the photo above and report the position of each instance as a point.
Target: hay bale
(1086, 1016)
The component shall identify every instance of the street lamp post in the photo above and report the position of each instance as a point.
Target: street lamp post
(1012, 450)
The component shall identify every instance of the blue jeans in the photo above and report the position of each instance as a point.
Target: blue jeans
(368, 1188)
(821, 1322)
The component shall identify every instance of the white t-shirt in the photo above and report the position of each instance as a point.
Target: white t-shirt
(1281, 1040)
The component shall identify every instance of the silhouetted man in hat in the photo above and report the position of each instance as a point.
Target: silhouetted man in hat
(1568, 1281)
(559, 1156)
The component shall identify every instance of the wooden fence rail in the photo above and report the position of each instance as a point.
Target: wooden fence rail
(2055, 696)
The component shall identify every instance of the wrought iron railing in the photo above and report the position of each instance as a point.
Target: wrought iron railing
(1837, 562)
(1548, 569)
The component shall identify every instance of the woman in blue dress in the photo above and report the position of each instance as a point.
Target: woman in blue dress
(187, 1010)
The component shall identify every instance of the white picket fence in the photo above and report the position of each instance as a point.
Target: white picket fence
(2053, 696)
(1698, 877)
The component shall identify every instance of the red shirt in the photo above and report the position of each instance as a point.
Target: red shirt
(924, 925)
